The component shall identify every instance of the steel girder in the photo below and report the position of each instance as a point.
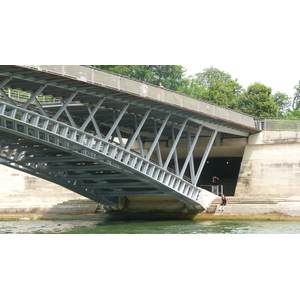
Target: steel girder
(69, 156)
(74, 143)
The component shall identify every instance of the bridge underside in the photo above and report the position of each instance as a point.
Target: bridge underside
(93, 140)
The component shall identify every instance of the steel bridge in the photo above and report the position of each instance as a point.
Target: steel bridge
(100, 134)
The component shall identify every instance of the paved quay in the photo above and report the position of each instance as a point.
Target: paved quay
(254, 208)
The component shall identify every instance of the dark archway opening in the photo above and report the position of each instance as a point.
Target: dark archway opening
(226, 168)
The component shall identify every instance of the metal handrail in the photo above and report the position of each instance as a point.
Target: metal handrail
(215, 189)
(153, 85)
(118, 82)
(278, 124)
(24, 96)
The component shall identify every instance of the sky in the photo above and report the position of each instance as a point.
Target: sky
(253, 41)
(250, 40)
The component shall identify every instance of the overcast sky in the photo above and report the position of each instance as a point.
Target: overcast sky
(250, 40)
(253, 41)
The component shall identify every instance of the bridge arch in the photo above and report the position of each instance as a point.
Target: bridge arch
(92, 141)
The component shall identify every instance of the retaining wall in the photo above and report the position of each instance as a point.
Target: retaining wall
(21, 193)
(270, 167)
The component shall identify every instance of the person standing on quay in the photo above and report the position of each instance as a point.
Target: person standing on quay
(224, 202)
(214, 183)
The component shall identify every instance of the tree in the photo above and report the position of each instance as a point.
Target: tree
(296, 98)
(295, 114)
(171, 76)
(215, 86)
(257, 101)
(283, 102)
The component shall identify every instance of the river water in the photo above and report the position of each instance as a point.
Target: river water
(102, 226)
(214, 259)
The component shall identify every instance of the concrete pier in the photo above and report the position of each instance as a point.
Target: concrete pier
(270, 166)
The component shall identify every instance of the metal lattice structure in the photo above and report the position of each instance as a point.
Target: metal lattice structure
(279, 124)
(93, 141)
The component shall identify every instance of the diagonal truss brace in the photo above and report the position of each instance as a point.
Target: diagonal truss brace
(117, 121)
(2, 84)
(204, 158)
(158, 135)
(64, 106)
(175, 144)
(137, 132)
(91, 116)
(190, 153)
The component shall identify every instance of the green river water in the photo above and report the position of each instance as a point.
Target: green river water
(187, 259)
(101, 226)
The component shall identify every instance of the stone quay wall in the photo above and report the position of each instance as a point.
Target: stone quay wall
(270, 167)
(21, 193)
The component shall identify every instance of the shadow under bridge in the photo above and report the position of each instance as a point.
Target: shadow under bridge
(103, 141)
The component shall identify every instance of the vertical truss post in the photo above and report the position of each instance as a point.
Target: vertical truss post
(189, 157)
(205, 155)
(137, 132)
(113, 127)
(175, 144)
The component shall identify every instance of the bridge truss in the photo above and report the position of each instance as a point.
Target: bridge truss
(93, 141)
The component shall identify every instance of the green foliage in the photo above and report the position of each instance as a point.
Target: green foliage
(257, 101)
(217, 87)
(296, 98)
(214, 86)
(171, 76)
(283, 102)
(293, 114)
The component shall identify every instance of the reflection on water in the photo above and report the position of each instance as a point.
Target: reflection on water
(101, 226)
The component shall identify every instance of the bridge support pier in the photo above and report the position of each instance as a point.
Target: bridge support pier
(151, 207)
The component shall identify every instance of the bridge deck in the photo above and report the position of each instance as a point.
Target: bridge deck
(91, 83)
(73, 142)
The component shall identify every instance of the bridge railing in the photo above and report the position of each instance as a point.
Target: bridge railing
(24, 96)
(215, 189)
(118, 82)
(278, 124)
